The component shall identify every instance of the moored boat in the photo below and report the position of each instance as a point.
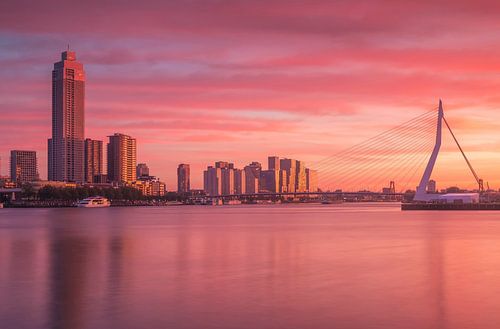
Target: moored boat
(94, 202)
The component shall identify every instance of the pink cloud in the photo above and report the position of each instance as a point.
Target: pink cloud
(289, 77)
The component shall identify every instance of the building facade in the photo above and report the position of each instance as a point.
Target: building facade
(252, 177)
(269, 181)
(183, 178)
(300, 177)
(122, 158)
(289, 166)
(150, 187)
(273, 163)
(239, 181)
(142, 170)
(311, 180)
(212, 181)
(23, 166)
(66, 147)
(93, 160)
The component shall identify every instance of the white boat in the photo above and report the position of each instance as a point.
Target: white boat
(94, 202)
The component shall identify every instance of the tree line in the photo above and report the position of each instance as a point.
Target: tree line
(52, 193)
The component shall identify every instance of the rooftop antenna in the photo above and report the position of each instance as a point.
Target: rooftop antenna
(68, 46)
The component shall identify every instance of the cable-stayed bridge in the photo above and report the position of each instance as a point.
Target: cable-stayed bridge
(388, 164)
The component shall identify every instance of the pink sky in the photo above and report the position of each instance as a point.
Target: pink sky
(200, 81)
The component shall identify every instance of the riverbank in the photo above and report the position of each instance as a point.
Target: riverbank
(70, 204)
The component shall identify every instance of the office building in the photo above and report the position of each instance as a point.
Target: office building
(66, 147)
(93, 160)
(183, 178)
(122, 155)
(23, 166)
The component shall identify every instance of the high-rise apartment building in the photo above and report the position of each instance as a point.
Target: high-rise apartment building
(122, 158)
(227, 184)
(239, 181)
(93, 160)
(300, 177)
(212, 181)
(23, 166)
(252, 177)
(273, 163)
(290, 168)
(66, 147)
(269, 181)
(311, 180)
(183, 178)
(142, 170)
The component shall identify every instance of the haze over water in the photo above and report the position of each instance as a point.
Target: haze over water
(293, 266)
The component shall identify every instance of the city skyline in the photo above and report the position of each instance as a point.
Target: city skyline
(298, 90)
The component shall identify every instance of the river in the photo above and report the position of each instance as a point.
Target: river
(358, 266)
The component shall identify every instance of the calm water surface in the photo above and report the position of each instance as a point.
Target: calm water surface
(294, 266)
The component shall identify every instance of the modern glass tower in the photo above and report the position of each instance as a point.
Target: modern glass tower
(66, 147)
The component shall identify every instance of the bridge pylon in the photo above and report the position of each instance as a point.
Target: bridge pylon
(421, 193)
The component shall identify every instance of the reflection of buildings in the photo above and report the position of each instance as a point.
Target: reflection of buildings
(86, 272)
(70, 256)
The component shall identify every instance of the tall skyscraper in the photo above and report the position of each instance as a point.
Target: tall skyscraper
(23, 166)
(183, 178)
(66, 147)
(93, 160)
(122, 158)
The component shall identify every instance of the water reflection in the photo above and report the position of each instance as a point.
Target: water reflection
(248, 267)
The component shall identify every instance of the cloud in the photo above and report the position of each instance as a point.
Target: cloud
(275, 76)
